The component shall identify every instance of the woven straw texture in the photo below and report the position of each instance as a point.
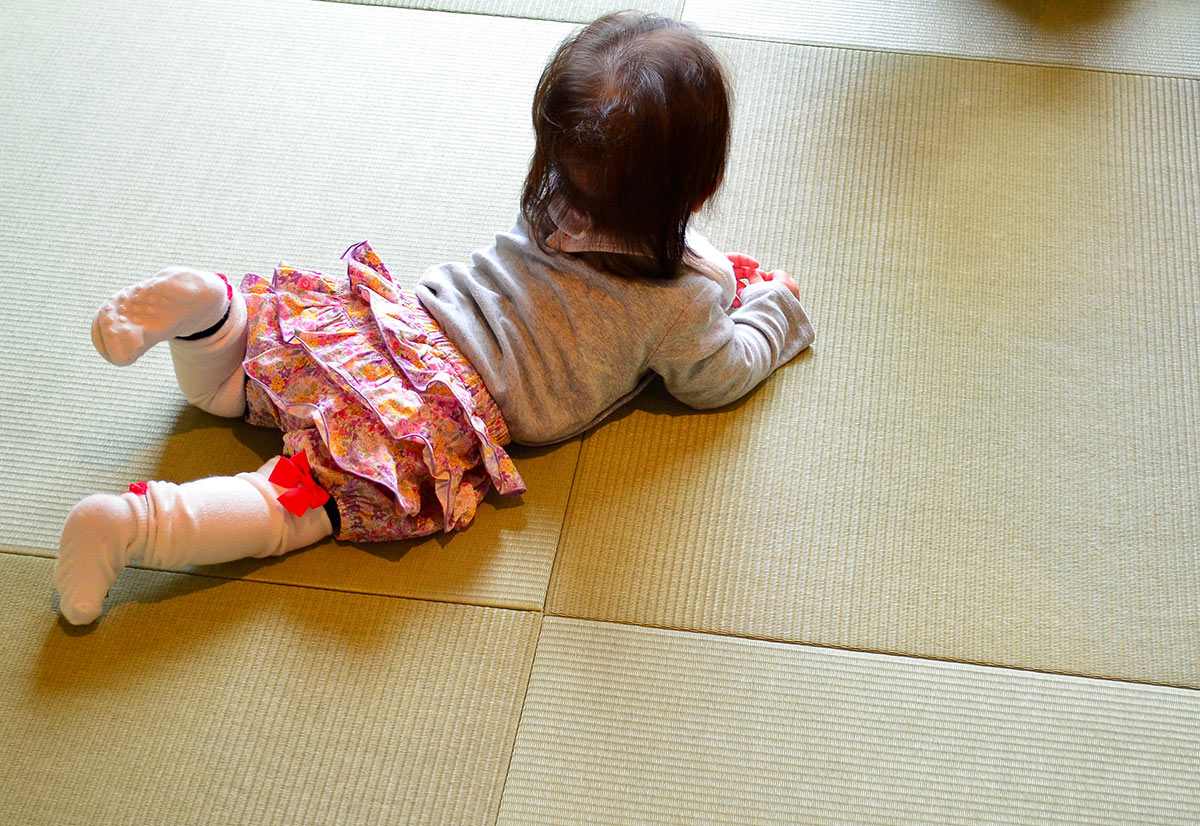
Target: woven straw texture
(942, 568)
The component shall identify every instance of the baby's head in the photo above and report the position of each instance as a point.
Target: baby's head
(632, 124)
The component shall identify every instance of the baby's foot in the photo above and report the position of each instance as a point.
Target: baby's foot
(94, 546)
(176, 302)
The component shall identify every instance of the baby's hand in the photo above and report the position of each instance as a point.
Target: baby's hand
(741, 261)
(746, 271)
(781, 276)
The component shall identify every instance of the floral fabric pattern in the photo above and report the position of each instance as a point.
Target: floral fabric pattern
(397, 425)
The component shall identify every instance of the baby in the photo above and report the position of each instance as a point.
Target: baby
(396, 406)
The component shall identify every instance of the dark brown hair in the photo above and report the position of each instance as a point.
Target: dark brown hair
(632, 123)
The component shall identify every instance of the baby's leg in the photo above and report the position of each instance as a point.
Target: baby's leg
(204, 522)
(176, 302)
(209, 368)
(202, 318)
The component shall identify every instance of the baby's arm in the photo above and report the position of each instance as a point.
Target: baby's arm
(710, 358)
(733, 271)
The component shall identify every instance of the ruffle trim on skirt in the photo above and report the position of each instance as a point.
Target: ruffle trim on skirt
(356, 370)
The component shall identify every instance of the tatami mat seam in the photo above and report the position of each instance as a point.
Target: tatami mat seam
(350, 591)
(29, 555)
(1067, 67)
(732, 36)
(562, 528)
(537, 647)
(498, 606)
(882, 653)
(456, 12)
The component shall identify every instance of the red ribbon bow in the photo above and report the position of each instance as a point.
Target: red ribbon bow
(303, 492)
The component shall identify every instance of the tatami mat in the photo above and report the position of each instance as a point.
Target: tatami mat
(990, 455)
(250, 703)
(991, 452)
(637, 725)
(577, 11)
(287, 131)
(1146, 36)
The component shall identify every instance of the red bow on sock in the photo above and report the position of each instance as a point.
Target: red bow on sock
(303, 492)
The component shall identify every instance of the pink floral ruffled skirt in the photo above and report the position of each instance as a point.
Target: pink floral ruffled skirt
(397, 425)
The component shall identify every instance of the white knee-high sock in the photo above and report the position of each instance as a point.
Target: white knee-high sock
(209, 370)
(205, 522)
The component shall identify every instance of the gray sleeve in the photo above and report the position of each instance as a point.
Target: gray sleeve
(709, 359)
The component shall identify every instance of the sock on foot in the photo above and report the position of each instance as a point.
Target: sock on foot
(100, 535)
(163, 525)
(176, 302)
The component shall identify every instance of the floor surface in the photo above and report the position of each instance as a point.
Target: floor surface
(944, 567)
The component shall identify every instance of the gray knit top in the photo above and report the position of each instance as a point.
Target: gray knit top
(561, 344)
